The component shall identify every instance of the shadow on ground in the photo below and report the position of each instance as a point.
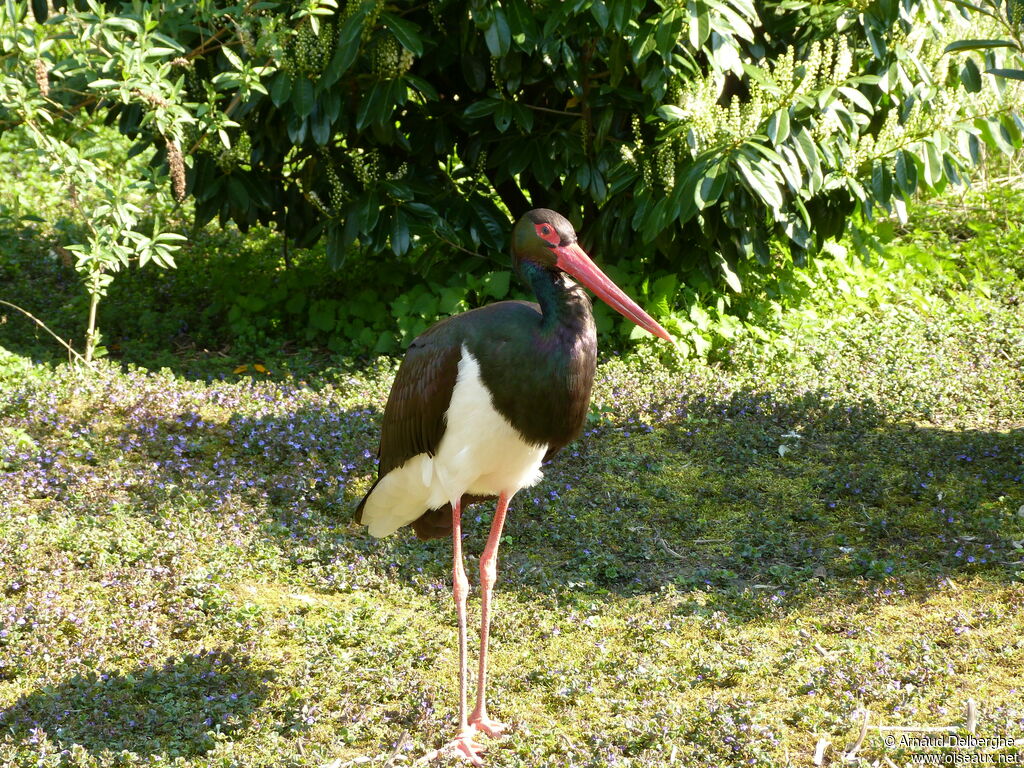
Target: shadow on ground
(170, 709)
(746, 491)
(755, 490)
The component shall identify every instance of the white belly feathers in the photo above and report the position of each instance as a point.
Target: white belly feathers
(480, 453)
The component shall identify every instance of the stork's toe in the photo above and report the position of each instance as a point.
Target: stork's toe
(463, 747)
(485, 724)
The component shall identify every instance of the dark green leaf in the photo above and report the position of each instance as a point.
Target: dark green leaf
(375, 106)
(369, 212)
(399, 234)
(480, 108)
(330, 103)
(808, 151)
(973, 45)
(992, 134)
(881, 183)
(932, 164)
(423, 86)
(420, 210)
(730, 275)
(788, 164)
(298, 128)
(971, 7)
(350, 231)
(521, 21)
(523, 117)
(345, 50)
(876, 39)
(40, 10)
(492, 221)
(583, 176)
(237, 192)
(598, 188)
(796, 230)
(670, 113)
(337, 250)
(973, 148)
(642, 42)
(1010, 129)
(320, 129)
(666, 37)
(970, 76)
(303, 96)
(498, 36)
(405, 32)
(684, 196)
(620, 13)
(699, 23)
(475, 71)
(280, 88)
(950, 168)
(503, 116)
(1013, 74)
(906, 172)
(711, 186)
(759, 182)
(857, 98)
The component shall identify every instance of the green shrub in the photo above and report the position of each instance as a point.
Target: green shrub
(701, 147)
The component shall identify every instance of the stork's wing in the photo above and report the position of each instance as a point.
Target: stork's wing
(414, 418)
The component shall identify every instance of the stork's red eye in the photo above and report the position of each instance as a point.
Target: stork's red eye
(548, 233)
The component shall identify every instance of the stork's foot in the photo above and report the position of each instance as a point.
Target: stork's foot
(484, 724)
(464, 747)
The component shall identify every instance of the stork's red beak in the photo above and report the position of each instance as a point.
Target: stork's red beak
(574, 260)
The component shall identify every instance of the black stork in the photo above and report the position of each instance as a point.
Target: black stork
(480, 401)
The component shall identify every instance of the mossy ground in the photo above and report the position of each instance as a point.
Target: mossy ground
(731, 562)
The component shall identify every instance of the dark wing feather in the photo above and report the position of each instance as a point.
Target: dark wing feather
(414, 417)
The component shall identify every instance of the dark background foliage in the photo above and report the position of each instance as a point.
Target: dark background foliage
(704, 149)
(416, 128)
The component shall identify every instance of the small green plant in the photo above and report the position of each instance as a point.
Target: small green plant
(112, 213)
(113, 222)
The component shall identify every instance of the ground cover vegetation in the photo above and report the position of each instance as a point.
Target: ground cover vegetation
(733, 560)
(681, 138)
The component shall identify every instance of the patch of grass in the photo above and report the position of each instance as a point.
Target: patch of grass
(730, 562)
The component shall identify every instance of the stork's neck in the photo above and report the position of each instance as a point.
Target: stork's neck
(564, 304)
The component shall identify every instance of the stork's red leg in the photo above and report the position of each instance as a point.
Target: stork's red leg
(462, 746)
(460, 589)
(488, 575)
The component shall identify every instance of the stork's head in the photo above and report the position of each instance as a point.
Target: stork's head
(546, 239)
